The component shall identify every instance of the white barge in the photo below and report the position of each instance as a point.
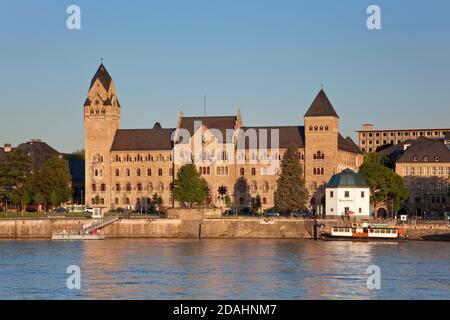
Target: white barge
(365, 232)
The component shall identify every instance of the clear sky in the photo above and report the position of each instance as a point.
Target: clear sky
(267, 58)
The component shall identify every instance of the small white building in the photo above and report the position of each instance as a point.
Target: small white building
(347, 193)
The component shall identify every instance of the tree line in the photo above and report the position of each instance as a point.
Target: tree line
(22, 185)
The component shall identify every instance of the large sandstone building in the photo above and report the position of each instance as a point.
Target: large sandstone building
(125, 167)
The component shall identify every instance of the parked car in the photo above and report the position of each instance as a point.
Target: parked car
(433, 215)
(271, 214)
(302, 215)
(89, 210)
(30, 209)
(60, 210)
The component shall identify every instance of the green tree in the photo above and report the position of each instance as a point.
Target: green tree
(15, 169)
(257, 204)
(189, 187)
(25, 199)
(157, 201)
(291, 194)
(97, 200)
(384, 183)
(228, 201)
(53, 180)
(53, 198)
(40, 199)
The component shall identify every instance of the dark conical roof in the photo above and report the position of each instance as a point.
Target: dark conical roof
(347, 179)
(321, 107)
(157, 125)
(104, 77)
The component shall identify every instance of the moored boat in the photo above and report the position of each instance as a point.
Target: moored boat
(365, 232)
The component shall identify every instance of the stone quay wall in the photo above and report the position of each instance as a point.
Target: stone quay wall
(232, 227)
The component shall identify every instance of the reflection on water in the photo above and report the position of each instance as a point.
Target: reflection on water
(223, 269)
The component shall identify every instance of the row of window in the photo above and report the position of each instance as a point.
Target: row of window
(347, 194)
(318, 128)
(128, 187)
(404, 133)
(242, 188)
(140, 158)
(139, 172)
(425, 171)
(435, 186)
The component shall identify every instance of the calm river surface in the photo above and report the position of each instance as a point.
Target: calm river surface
(223, 269)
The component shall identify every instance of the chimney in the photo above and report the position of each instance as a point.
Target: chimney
(7, 148)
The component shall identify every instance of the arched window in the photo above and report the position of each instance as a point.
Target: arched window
(326, 128)
(253, 172)
(102, 200)
(161, 187)
(128, 187)
(139, 186)
(310, 128)
(264, 200)
(128, 172)
(321, 128)
(314, 171)
(96, 172)
(160, 172)
(117, 172)
(103, 187)
(321, 171)
(116, 201)
(138, 172)
(316, 128)
(150, 187)
(118, 187)
(94, 188)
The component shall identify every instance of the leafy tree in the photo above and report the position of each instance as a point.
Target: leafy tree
(53, 198)
(53, 180)
(257, 204)
(189, 187)
(384, 183)
(291, 194)
(15, 168)
(157, 201)
(97, 200)
(228, 201)
(25, 199)
(40, 199)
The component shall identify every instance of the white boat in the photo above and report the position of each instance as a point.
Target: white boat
(365, 232)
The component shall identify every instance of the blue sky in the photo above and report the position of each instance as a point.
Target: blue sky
(267, 58)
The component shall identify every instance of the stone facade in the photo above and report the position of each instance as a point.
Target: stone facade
(126, 167)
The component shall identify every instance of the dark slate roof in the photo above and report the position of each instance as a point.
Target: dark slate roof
(104, 77)
(321, 107)
(425, 147)
(39, 152)
(142, 139)
(347, 179)
(395, 150)
(347, 144)
(221, 123)
(287, 135)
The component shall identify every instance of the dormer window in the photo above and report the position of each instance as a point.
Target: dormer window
(436, 158)
(415, 158)
(425, 159)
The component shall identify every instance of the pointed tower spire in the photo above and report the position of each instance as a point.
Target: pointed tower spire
(103, 76)
(321, 107)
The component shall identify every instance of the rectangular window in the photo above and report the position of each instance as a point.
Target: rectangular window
(411, 171)
(433, 171)
(405, 171)
(331, 194)
(360, 210)
(425, 171)
(440, 171)
(347, 194)
(419, 171)
(362, 194)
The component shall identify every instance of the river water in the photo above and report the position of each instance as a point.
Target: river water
(224, 269)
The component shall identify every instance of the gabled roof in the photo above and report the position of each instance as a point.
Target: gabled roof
(429, 148)
(347, 144)
(287, 135)
(104, 77)
(142, 139)
(221, 123)
(321, 107)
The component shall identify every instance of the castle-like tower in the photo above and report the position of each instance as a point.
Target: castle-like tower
(101, 121)
(321, 145)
